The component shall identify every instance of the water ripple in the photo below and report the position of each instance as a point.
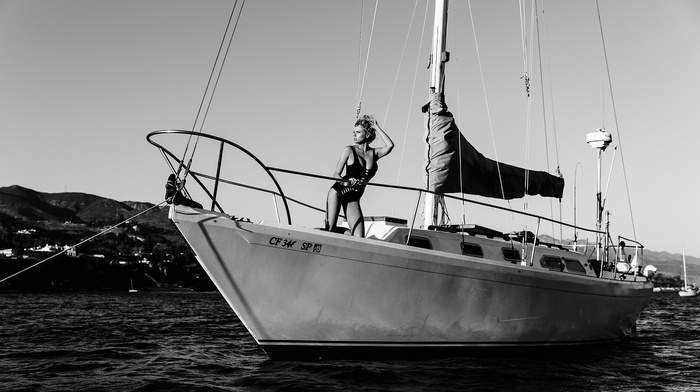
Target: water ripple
(193, 342)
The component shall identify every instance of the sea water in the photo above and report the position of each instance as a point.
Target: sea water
(169, 341)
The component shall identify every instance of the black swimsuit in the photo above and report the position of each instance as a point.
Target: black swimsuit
(355, 170)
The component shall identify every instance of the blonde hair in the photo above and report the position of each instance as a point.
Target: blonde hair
(366, 122)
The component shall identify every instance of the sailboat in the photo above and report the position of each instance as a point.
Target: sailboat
(686, 291)
(404, 291)
(132, 289)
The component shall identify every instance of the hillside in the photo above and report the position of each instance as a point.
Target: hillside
(23, 208)
(29, 219)
(672, 264)
(146, 250)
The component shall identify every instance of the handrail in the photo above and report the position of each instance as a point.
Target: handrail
(619, 238)
(222, 140)
(255, 188)
(280, 193)
(408, 188)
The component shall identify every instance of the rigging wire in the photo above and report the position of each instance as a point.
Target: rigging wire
(410, 105)
(527, 64)
(486, 101)
(396, 77)
(459, 149)
(536, 23)
(614, 109)
(533, 13)
(551, 93)
(218, 76)
(575, 228)
(551, 100)
(206, 89)
(523, 38)
(488, 109)
(369, 49)
(359, 59)
(107, 230)
(536, 35)
(398, 69)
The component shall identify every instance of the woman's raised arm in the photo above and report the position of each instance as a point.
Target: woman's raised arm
(388, 143)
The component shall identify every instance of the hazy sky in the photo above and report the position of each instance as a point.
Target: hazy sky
(83, 82)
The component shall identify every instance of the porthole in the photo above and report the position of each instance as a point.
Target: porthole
(420, 242)
(511, 254)
(552, 263)
(573, 265)
(471, 249)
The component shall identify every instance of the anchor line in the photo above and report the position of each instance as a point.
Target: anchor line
(84, 241)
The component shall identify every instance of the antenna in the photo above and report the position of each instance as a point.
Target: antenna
(599, 140)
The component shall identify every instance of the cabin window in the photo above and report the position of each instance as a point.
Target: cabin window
(471, 249)
(552, 263)
(511, 254)
(573, 265)
(419, 242)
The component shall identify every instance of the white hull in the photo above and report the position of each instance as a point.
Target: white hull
(305, 293)
(688, 293)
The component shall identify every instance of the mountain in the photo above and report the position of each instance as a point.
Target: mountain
(671, 264)
(146, 250)
(23, 208)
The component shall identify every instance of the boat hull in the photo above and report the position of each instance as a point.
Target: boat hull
(306, 293)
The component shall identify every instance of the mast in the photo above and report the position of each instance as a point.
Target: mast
(438, 58)
(685, 277)
(600, 141)
(438, 55)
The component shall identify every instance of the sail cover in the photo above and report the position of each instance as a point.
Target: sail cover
(479, 175)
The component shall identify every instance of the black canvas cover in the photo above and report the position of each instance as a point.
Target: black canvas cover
(480, 175)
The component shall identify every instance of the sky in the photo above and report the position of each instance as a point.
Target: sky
(82, 82)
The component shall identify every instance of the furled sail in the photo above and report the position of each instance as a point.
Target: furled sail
(480, 175)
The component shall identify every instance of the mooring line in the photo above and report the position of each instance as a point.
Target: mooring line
(84, 241)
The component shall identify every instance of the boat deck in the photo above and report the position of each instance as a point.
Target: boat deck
(474, 241)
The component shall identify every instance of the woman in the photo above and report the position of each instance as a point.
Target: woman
(360, 164)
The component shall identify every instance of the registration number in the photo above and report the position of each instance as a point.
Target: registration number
(292, 244)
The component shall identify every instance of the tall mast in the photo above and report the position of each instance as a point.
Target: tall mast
(438, 58)
(438, 55)
(685, 276)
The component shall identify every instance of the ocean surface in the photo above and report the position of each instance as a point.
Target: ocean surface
(193, 342)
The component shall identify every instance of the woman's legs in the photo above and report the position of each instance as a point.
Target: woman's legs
(353, 213)
(332, 209)
(352, 210)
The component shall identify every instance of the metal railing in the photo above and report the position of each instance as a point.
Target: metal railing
(198, 177)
